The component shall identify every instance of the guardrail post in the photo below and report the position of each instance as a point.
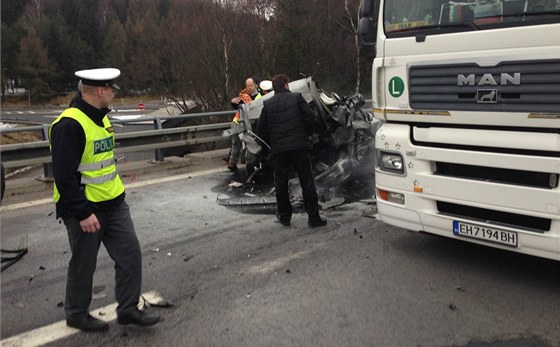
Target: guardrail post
(159, 156)
(48, 174)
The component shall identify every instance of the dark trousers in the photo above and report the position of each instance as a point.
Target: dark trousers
(301, 162)
(119, 238)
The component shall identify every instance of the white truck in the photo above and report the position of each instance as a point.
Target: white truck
(469, 92)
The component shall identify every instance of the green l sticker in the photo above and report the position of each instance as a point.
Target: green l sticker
(396, 87)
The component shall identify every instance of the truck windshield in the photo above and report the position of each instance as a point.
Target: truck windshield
(410, 17)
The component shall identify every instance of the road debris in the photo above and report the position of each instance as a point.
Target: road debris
(161, 303)
(15, 255)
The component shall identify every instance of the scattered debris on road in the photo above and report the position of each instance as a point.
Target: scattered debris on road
(16, 254)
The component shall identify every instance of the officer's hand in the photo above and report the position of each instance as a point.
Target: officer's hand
(90, 224)
(236, 100)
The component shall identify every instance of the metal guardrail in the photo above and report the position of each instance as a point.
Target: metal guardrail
(38, 152)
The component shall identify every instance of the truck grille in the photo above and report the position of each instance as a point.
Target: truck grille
(520, 86)
(529, 223)
(505, 176)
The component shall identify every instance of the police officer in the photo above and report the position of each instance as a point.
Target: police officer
(90, 199)
(286, 123)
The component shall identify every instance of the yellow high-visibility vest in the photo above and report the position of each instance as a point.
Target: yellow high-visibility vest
(97, 165)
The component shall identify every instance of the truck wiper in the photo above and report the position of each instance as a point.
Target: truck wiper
(536, 14)
(524, 14)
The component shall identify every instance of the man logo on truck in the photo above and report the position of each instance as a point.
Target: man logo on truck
(488, 79)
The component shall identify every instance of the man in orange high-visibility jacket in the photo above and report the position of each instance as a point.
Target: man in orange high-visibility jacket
(249, 93)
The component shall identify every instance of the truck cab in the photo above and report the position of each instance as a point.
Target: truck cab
(469, 92)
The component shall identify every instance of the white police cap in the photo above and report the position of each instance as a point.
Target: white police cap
(266, 85)
(104, 77)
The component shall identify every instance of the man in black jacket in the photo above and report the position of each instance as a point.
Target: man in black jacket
(286, 123)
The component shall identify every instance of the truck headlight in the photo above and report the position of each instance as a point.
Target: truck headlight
(391, 162)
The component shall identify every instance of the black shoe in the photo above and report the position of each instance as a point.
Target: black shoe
(88, 323)
(232, 167)
(140, 318)
(316, 222)
(284, 220)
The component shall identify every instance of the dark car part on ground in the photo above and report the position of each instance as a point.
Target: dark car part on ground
(10, 257)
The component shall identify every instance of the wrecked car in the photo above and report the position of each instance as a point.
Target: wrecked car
(343, 141)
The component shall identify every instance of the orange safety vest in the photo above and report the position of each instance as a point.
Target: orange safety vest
(246, 98)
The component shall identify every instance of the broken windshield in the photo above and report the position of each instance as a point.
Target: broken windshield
(408, 17)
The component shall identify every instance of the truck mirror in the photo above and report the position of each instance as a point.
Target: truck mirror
(365, 26)
(365, 8)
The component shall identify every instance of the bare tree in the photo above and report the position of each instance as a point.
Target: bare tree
(353, 17)
(211, 53)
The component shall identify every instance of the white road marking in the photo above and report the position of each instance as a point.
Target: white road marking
(59, 330)
(127, 117)
(173, 178)
(25, 204)
(129, 185)
(128, 110)
(276, 264)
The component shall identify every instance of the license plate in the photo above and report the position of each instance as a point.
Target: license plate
(508, 238)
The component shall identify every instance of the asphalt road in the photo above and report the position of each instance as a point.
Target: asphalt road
(238, 278)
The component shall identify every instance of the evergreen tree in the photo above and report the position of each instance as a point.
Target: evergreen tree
(114, 45)
(144, 45)
(82, 18)
(35, 67)
(11, 11)
(11, 37)
(199, 50)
